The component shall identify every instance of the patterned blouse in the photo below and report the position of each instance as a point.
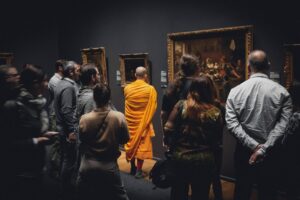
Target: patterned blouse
(192, 139)
(291, 137)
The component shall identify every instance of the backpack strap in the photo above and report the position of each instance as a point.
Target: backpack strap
(185, 89)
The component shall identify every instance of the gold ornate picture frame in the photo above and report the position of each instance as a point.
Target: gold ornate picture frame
(97, 56)
(291, 60)
(128, 64)
(6, 58)
(222, 54)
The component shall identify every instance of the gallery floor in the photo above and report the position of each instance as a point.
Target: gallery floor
(227, 186)
(139, 189)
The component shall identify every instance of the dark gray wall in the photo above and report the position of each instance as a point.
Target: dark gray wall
(41, 32)
(29, 30)
(129, 27)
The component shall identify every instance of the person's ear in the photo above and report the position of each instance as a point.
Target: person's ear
(71, 72)
(94, 78)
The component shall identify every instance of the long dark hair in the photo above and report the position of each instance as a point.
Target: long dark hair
(200, 97)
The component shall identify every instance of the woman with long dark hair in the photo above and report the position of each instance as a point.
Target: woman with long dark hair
(195, 125)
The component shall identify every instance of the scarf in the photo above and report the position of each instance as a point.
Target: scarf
(37, 104)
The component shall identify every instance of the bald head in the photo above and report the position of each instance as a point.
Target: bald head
(258, 61)
(140, 72)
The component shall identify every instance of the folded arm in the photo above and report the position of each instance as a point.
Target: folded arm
(279, 129)
(234, 126)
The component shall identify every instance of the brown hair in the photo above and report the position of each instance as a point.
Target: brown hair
(200, 97)
(189, 65)
(101, 94)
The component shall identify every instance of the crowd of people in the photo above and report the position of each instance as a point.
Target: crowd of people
(84, 131)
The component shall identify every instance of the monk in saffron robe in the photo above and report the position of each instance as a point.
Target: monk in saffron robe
(140, 106)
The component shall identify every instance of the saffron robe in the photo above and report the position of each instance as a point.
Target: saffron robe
(140, 106)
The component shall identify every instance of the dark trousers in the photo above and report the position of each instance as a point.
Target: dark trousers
(21, 187)
(54, 156)
(290, 165)
(192, 173)
(216, 182)
(263, 174)
(68, 173)
(100, 180)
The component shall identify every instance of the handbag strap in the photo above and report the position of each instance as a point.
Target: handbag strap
(101, 125)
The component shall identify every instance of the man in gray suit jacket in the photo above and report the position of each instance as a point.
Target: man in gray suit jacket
(65, 100)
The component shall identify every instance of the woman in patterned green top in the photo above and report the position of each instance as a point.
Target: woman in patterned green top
(195, 126)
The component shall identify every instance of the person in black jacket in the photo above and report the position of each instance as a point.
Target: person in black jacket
(26, 125)
(178, 90)
(9, 86)
(290, 148)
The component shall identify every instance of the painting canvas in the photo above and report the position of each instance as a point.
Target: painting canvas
(292, 64)
(128, 64)
(6, 58)
(96, 56)
(222, 54)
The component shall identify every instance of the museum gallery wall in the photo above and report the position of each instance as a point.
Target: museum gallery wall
(42, 36)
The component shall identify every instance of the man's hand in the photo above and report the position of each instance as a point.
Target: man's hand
(256, 156)
(257, 147)
(50, 134)
(71, 138)
(42, 140)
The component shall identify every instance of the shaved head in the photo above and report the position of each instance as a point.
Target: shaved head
(258, 60)
(140, 72)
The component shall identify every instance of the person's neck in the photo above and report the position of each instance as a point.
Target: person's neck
(33, 92)
(70, 77)
(90, 85)
(60, 73)
(102, 107)
(259, 72)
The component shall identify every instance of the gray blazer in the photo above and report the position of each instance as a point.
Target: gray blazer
(65, 100)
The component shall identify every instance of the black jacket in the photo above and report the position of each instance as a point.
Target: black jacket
(24, 120)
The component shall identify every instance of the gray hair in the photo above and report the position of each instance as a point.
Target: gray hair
(258, 60)
(140, 72)
(69, 66)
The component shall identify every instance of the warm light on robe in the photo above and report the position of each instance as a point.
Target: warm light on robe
(140, 106)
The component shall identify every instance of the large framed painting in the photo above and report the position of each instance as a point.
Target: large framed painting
(222, 54)
(291, 71)
(6, 58)
(98, 57)
(128, 64)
